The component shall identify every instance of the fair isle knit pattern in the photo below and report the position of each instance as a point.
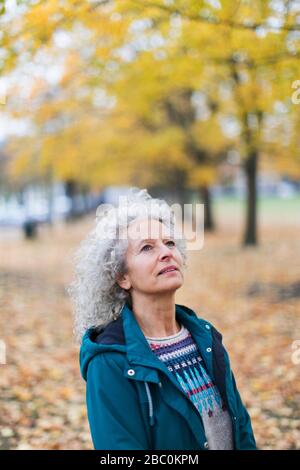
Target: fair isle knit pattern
(181, 355)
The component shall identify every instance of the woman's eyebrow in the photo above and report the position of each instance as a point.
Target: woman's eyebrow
(145, 240)
(153, 240)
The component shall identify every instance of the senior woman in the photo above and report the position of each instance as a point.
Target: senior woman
(157, 376)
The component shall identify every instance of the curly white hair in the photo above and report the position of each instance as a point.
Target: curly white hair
(100, 258)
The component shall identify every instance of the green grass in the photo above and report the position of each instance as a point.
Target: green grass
(269, 208)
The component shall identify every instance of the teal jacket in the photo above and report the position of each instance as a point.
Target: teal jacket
(135, 402)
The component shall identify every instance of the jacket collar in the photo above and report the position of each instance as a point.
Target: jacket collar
(138, 351)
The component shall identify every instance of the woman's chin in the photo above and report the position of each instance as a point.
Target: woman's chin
(170, 285)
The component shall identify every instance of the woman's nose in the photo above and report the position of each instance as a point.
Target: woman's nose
(165, 251)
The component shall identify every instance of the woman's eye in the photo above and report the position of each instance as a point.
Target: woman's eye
(149, 246)
(145, 246)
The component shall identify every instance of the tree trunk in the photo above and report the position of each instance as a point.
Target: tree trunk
(250, 237)
(71, 188)
(181, 196)
(50, 200)
(209, 225)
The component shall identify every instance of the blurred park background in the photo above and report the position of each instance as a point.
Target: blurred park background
(197, 101)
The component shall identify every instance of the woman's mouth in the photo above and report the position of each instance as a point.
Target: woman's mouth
(169, 270)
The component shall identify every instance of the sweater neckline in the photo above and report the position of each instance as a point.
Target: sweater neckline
(165, 338)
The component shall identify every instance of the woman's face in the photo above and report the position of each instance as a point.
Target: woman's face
(151, 249)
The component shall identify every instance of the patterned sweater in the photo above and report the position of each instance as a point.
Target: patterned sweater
(182, 357)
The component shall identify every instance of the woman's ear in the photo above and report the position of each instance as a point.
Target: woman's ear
(124, 281)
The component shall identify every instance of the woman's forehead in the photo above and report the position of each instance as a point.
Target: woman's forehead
(146, 229)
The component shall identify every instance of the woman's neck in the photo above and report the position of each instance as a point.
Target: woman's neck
(156, 318)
